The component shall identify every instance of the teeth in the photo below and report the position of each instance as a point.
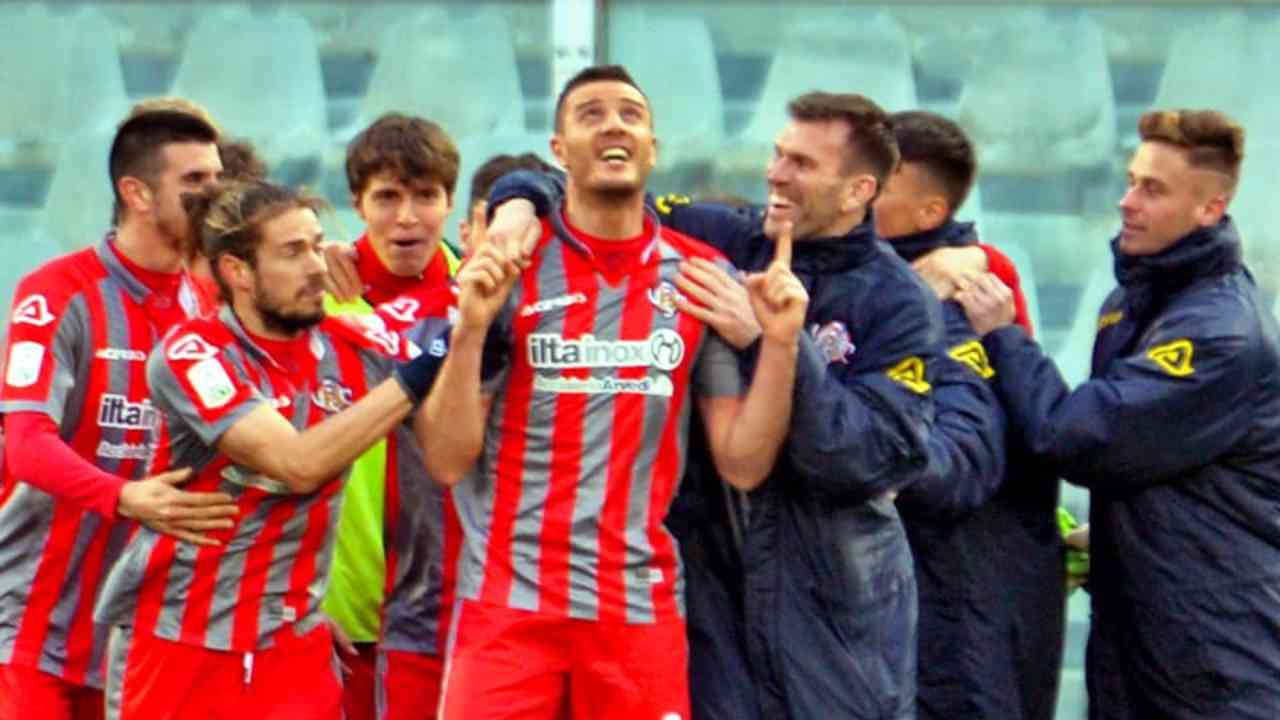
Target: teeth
(615, 154)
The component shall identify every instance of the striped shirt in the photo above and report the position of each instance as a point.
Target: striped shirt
(585, 442)
(270, 571)
(79, 333)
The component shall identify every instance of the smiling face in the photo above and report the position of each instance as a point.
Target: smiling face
(810, 184)
(404, 221)
(1167, 199)
(605, 138)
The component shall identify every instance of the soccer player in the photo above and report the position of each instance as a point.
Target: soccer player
(1174, 434)
(988, 562)
(392, 586)
(569, 585)
(270, 402)
(79, 423)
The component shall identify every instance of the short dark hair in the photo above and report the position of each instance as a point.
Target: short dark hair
(228, 218)
(140, 139)
(871, 145)
(595, 73)
(495, 167)
(941, 147)
(240, 161)
(1212, 139)
(413, 148)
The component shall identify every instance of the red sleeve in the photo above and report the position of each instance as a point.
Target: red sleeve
(36, 455)
(1002, 267)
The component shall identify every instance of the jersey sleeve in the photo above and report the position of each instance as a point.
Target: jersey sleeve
(194, 381)
(716, 370)
(48, 335)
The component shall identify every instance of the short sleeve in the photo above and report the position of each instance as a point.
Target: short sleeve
(195, 382)
(715, 372)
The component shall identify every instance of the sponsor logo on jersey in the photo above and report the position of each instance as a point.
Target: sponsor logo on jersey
(909, 373)
(554, 303)
(23, 367)
(212, 384)
(375, 329)
(191, 347)
(1174, 357)
(110, 353)
(116, 411)
(331, 396)
(33, 310)
(664, 297)
(663, 349)
(124, 451)
(974, 356)
(833, 341)
(660, 385)
(402, 309)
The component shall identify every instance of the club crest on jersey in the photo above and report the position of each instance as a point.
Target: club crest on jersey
(833, 341)
(34, 310)
(191, 347)
(331, 396)
(403, 309)
(664, 297)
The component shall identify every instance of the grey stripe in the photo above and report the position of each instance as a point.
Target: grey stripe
(116, 545)
(67, 393)
(120, 639)
(25, 519)
(117, 375)
(380, 686)
(411, 613)
(54, 652)
(284, 555)
(526, 546)
(118, 272)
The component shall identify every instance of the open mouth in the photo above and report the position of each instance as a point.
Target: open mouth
(615, 156)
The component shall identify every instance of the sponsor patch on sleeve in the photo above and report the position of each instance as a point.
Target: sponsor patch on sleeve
(1174, 357)
(25, 360)
(974, 356)
(909, 373)
(212, 384)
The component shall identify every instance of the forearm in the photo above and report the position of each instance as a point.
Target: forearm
(452, 432)
(37, 456)
(752, 441)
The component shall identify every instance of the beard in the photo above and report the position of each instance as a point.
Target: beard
(279, 319)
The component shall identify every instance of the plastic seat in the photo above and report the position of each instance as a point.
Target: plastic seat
(1039, 98)
(462, 74)
(476, 151)
(682, 83)
(77, 210)
(1075, 356)
(258, 73)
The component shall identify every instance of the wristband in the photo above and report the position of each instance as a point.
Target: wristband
(417, 375)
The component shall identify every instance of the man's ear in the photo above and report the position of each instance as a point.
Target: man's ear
(861, 191)
(234, 271)
(1212, 210)
(135, 193)
(933, 213)
(557, 149)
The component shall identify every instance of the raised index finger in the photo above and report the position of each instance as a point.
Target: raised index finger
(782, 246)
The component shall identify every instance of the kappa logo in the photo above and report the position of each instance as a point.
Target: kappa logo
(34, 310)
(332, 396)
(664, 297)
(833, 342)
(554, 303)
(973, 355)
(191, 347)
(403, 309)
(1106, 320)
(1174, 357)
(666, 202)
(375, 329)
(909, 373)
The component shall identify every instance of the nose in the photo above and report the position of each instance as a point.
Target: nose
(404, 212)
(778, 170)
(1128, 201)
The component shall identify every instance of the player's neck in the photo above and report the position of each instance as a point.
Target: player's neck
(147, 248)
(609, 217)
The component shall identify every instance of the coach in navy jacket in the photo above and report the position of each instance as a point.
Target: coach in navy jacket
(1177, 435)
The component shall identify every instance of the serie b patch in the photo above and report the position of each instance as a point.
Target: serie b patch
(212, 384)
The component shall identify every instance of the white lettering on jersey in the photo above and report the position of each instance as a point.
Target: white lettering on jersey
(375, 329)
(110, 353)
(116, 411)
(555, 303)
(211, 383)
(33, 310)
(191, 347)
(663, 349)
(25, 360)
(124, 451)
(660, 386)
(402, 309)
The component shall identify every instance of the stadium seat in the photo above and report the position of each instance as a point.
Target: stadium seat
(1038, 99)
(1256, 213)
(464, 77)
(1075, 355)
(476, 150)
(258, 73)
(862, 51)
(682, 83)
(1210, 65)
(77, 210)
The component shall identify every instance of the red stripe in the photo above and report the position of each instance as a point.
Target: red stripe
(509, 464)
(391, 518)
(151, 590)
(627, 423)
(257, 563)
(666, 475)
(319, 528)
(566, 445)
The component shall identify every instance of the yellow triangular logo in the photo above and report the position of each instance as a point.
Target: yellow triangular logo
(1174, 357)
(975, 356)
(910, 374)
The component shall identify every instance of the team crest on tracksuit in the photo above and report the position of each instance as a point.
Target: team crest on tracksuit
(664, 297)
(833, 341)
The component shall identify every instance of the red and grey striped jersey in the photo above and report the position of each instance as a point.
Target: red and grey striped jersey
(585, 442)
(79, 332)
(270, 571)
